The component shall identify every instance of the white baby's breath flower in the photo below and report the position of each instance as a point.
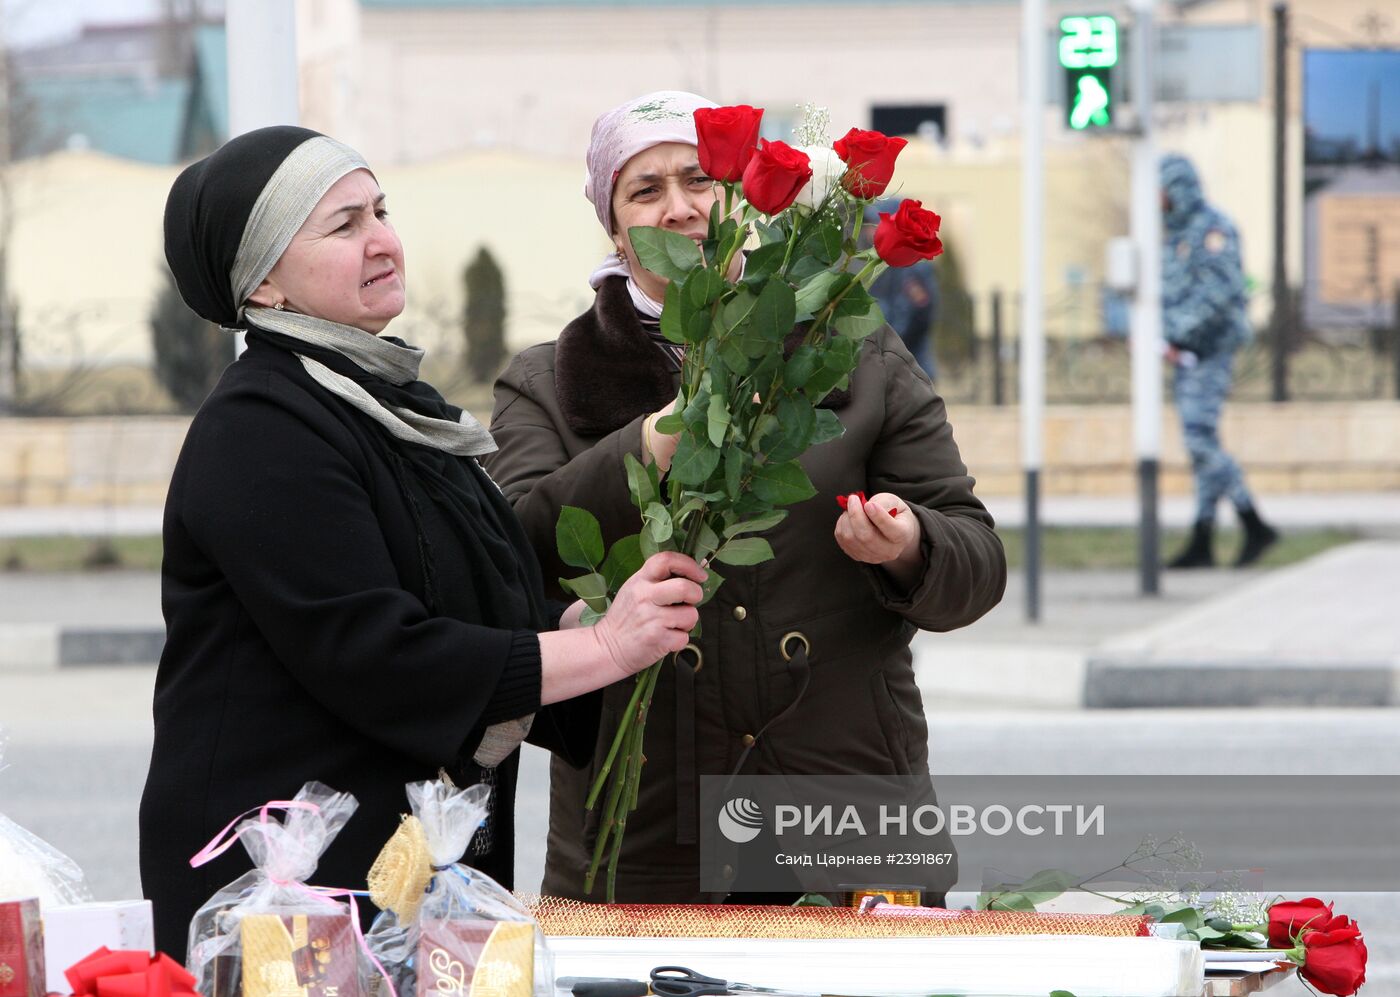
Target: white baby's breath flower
(827, 169)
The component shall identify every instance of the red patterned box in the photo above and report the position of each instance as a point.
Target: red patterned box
(476, 958)
(21, 949)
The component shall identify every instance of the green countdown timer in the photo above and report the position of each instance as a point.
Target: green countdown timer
(1088, 53)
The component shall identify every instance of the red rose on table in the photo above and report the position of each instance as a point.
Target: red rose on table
(1289, 918)
(775, 176)
(728, 138)
(870, 157)
(909, 235)
(1335, 958)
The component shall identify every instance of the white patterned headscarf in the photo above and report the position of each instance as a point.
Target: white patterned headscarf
(630, 128)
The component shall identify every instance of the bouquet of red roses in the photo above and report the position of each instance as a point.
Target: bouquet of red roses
(747, 406)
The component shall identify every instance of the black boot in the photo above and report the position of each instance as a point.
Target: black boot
(1197, 552)
(1259, 536)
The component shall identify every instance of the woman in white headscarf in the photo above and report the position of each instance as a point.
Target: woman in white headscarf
(804, 665)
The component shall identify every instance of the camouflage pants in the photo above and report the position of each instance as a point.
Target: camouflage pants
(1200, 393)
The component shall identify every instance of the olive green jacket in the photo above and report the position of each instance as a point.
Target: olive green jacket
(567, 411)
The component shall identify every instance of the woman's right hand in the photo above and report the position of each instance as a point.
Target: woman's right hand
(653, 613)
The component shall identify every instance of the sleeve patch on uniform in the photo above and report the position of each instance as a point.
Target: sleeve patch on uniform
(1215, 241)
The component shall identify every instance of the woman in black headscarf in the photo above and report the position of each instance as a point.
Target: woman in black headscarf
(347, 595)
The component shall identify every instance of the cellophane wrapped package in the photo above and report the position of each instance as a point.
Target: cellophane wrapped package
(269, 934)
(31, 867)
(447, 928)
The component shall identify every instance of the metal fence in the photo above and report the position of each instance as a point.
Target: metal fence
(1087, 356)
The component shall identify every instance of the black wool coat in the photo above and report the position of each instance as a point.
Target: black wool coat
(299, 645)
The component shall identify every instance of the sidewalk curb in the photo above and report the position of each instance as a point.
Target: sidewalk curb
(1125, 682)
(46, 646)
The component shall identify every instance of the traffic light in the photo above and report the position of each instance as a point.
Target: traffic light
(1088, 53)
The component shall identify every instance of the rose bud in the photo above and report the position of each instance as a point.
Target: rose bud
(909, 235)
(728, 138)
(869, 157)
(775, 176)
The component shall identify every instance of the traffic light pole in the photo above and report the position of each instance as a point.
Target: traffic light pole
(1146, 224)
(1033, 69)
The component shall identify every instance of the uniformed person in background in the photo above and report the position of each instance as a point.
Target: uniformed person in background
(1204, 324)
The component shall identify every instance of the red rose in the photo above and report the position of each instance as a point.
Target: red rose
(1335, 959)
(1289, 918)
(870, 157)
(728, 137)
(909, 235)
(775, 176)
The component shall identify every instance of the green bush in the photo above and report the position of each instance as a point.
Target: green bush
(484, 322)
(190, 353)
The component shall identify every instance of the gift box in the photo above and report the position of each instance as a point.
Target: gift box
(74, 931)
(476, 958)
(21, 949)
(299, 955)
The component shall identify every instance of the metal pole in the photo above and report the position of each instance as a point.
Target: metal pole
(1395, 333)
(9, 388)
(1032, 291)
(1147, 303)
(1280, 323)
(262, 64)
(998, 387)
(262, 70)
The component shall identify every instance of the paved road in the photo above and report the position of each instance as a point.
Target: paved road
(80, 741)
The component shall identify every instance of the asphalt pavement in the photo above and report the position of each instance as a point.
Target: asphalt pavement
(1312, 650)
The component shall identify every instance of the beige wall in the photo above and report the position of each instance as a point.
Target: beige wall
(1352, 446)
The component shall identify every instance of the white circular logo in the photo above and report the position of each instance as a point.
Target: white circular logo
(740, 820)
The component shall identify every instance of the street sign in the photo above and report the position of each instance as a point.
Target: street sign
(1088, 51)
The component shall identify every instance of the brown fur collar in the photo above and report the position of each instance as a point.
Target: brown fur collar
(607, 370)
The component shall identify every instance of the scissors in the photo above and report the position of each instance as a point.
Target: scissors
(678, 981)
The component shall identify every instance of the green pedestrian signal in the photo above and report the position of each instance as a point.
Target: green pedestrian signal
(1088, 52)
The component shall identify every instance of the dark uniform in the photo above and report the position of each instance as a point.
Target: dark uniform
(1203, 318)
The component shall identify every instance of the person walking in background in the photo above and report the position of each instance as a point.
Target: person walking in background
(1204, 324)
(908, 297)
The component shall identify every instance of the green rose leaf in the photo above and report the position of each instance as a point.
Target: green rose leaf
(642, 482)
(799, 367)
(665, 253)
(815, 293)
(718, 423)
(775, 312)
(623, 561)
(694, 461)
(745, 550)
(578, 537)
(757, 524)
(828, 426)
(591, 588)
(736, 311)
(702, 288)
(706, 541)
(827, 242)
(697, 327)
(672, 322)
(797, 418)
(589, 616)
(763, 262)
(782, 484)
(668, 425)
(656, 522)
